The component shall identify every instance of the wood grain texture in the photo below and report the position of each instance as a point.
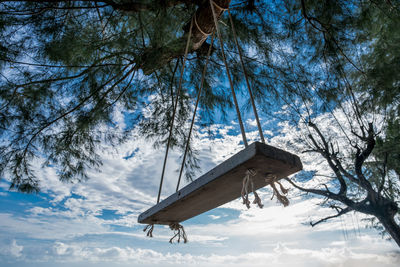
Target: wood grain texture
(222, 184)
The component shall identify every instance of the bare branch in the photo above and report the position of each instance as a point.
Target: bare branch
(325, 152)
(345, 172)
(328, 194)
(311, 190)
(383, 173)
(361, 156)
(340, 213)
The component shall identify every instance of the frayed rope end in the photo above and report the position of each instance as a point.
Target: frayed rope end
(149, 228)
(271, 180)
(247, 181)
(179, 232)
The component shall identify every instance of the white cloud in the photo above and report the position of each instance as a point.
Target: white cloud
(11, 249)
(280, 255)
(15, 249)
(275, 235)
(251, 122)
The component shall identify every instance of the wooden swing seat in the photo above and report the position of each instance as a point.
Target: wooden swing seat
(222, 184)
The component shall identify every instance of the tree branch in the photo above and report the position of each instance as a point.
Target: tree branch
(127, 6)
(328, 194)
(154, 58)
(76, 108)
(320, 192)
(361, 156)
(340, 211)
(324, 31)
(383, 173)
(325, 152)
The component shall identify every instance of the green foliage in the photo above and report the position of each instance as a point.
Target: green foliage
(379, 29)
(388, 147)
(68, 66)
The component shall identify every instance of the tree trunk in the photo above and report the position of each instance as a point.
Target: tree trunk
(154, 58)
(391, 227)
(385, 209)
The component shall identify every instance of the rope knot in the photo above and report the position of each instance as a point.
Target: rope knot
(247, 180)
(179, 232)
(149, 228)
(271, 179)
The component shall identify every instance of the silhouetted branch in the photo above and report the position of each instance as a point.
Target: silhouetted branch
(340, 211)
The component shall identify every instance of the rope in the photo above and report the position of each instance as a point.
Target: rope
(245, 189)
(173, 114)
(198, 27)
(271, 179)
(245, 192)
(219, 7)
(179, 232)
(195, 111)
(257, 199)
(246, 78)
(228, 74)
(149, 228)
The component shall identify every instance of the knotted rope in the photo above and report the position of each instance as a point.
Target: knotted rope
(149, 228)
(213, 5)
(174, 110)
(179, 232)
(271, 179)
(247, 180)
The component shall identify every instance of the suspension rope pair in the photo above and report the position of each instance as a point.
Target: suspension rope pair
(179, 230)
(176, 226)
(212, 4)
(174, 110)
(195, 109)
(247, 180)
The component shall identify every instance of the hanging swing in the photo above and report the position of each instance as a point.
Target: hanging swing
(256, 166)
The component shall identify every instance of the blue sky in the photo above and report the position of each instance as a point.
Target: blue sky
(94, 223)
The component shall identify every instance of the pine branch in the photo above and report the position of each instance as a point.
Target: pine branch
(85, 71)
(122, 92)
(75, 108)
(324, 31)
(58, 66)
(154, 58)
(131, 6)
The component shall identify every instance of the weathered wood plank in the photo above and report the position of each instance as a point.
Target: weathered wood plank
(222, 184)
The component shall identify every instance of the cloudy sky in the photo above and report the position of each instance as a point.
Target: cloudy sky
(95, 223)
